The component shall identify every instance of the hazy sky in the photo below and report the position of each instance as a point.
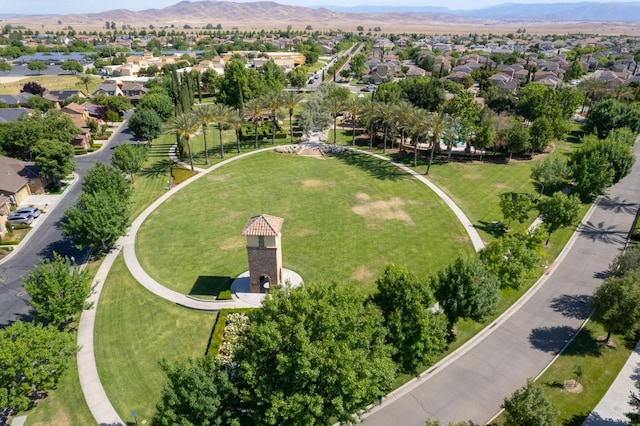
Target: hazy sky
(84, 6)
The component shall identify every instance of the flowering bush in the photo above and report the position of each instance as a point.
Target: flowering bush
(334, 149)
(235, 326)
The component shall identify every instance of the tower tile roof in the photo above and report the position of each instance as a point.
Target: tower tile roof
(263, 225)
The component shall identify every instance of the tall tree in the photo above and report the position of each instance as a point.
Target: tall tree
(418, 129)
(353, 107)
(416, 332)
(184, 126)
(558, 211)
(33, 358)
(221, 116)
(466, 289)
(528, 406)
(55, 159)
(511, 258)
(106, 178)
(616, 304)
(84, 80)
(37, 66)
(254, 109)
(439, 122)
(515, 206)
(145, 124)
(335, 106)
(57, 291)
(272, 101)
(129, 158)
(336, 360)
(290, 100)
(551, 171)
(205, 114)
(199, 392)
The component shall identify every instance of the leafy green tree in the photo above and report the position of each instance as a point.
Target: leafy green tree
(54, 158)
(625, 262)
(357, 65)
(199, 392)
(417, 333)
(235, 88)
(516, 138)
(634, 401)
(145, 124)
(528, 406)
(424, 92)
(297, 77)
(84, 80)
(616, 304)
(129, 158)
(511, 258)
(160, 102)
(106, 178)
(619, 155)
(33, 358)
(591, 172)
(468, 114)
(37, 66)
(573, 72)
(466, 289)
(39, 103)
(541, 133)
(73, 66)
(558, 211)
(97, 220)
(57, 292)
(515, 206)
(610, 114)
(18, 138)
(118, 104)
(552, 171)
(273, 77)
(336, 360)
(5, 66)
(623, 135)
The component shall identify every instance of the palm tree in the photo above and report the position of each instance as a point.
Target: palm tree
(622, 92)
(593, 89)
(84, 80)
(438, 123)
(221, 116)
(384, 115)
(335, 106)
(253, 108)
(418, 127)
(272, 102)
(401, 115)
(290, 100)
(369, 113)
(236, 121)
(184, 126)
(353, 108)
(205, 114)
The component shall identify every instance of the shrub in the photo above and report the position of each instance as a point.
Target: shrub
(224, 295)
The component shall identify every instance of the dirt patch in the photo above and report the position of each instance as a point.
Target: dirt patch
(217, 178)
(314, 183)
(302, 232)
(500, 186)
(362, 273)
(382, 210)
(61, 418)
(232, 243)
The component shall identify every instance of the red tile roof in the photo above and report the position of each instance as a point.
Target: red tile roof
(263, 225)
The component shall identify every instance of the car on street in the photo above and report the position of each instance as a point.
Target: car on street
(33, 211)
(21, 219)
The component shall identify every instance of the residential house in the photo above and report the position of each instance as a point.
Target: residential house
(134, 91)
(80, 116)
(15, 101)
(109, 89)
(9, 115)
(59, 97)
(5, 208)
(19, 179)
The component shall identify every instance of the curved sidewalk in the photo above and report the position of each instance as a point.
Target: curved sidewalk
(95, 396)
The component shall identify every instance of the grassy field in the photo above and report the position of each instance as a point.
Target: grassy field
(345, 219)
(50, 82)
(134, 330)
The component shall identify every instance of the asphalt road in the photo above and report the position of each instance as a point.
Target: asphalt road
(471, 385)
(47, 239)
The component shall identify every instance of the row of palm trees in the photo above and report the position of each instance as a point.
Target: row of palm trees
(186, 125)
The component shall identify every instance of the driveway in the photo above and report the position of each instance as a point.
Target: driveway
(471, 384)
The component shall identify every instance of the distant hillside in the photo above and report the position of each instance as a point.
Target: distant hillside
(551, 12)
(554, 12)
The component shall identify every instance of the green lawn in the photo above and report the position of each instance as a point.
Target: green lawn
(346, 218)
(134, 330)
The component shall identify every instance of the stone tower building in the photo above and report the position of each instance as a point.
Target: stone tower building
(264, 251)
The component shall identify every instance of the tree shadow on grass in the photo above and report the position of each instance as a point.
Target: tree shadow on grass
(377, 168)
(572, 305)
(158, 168)
(210, 285)
(495, 229)
(551, 339)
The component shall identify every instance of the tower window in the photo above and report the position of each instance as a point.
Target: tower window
(261, 242)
